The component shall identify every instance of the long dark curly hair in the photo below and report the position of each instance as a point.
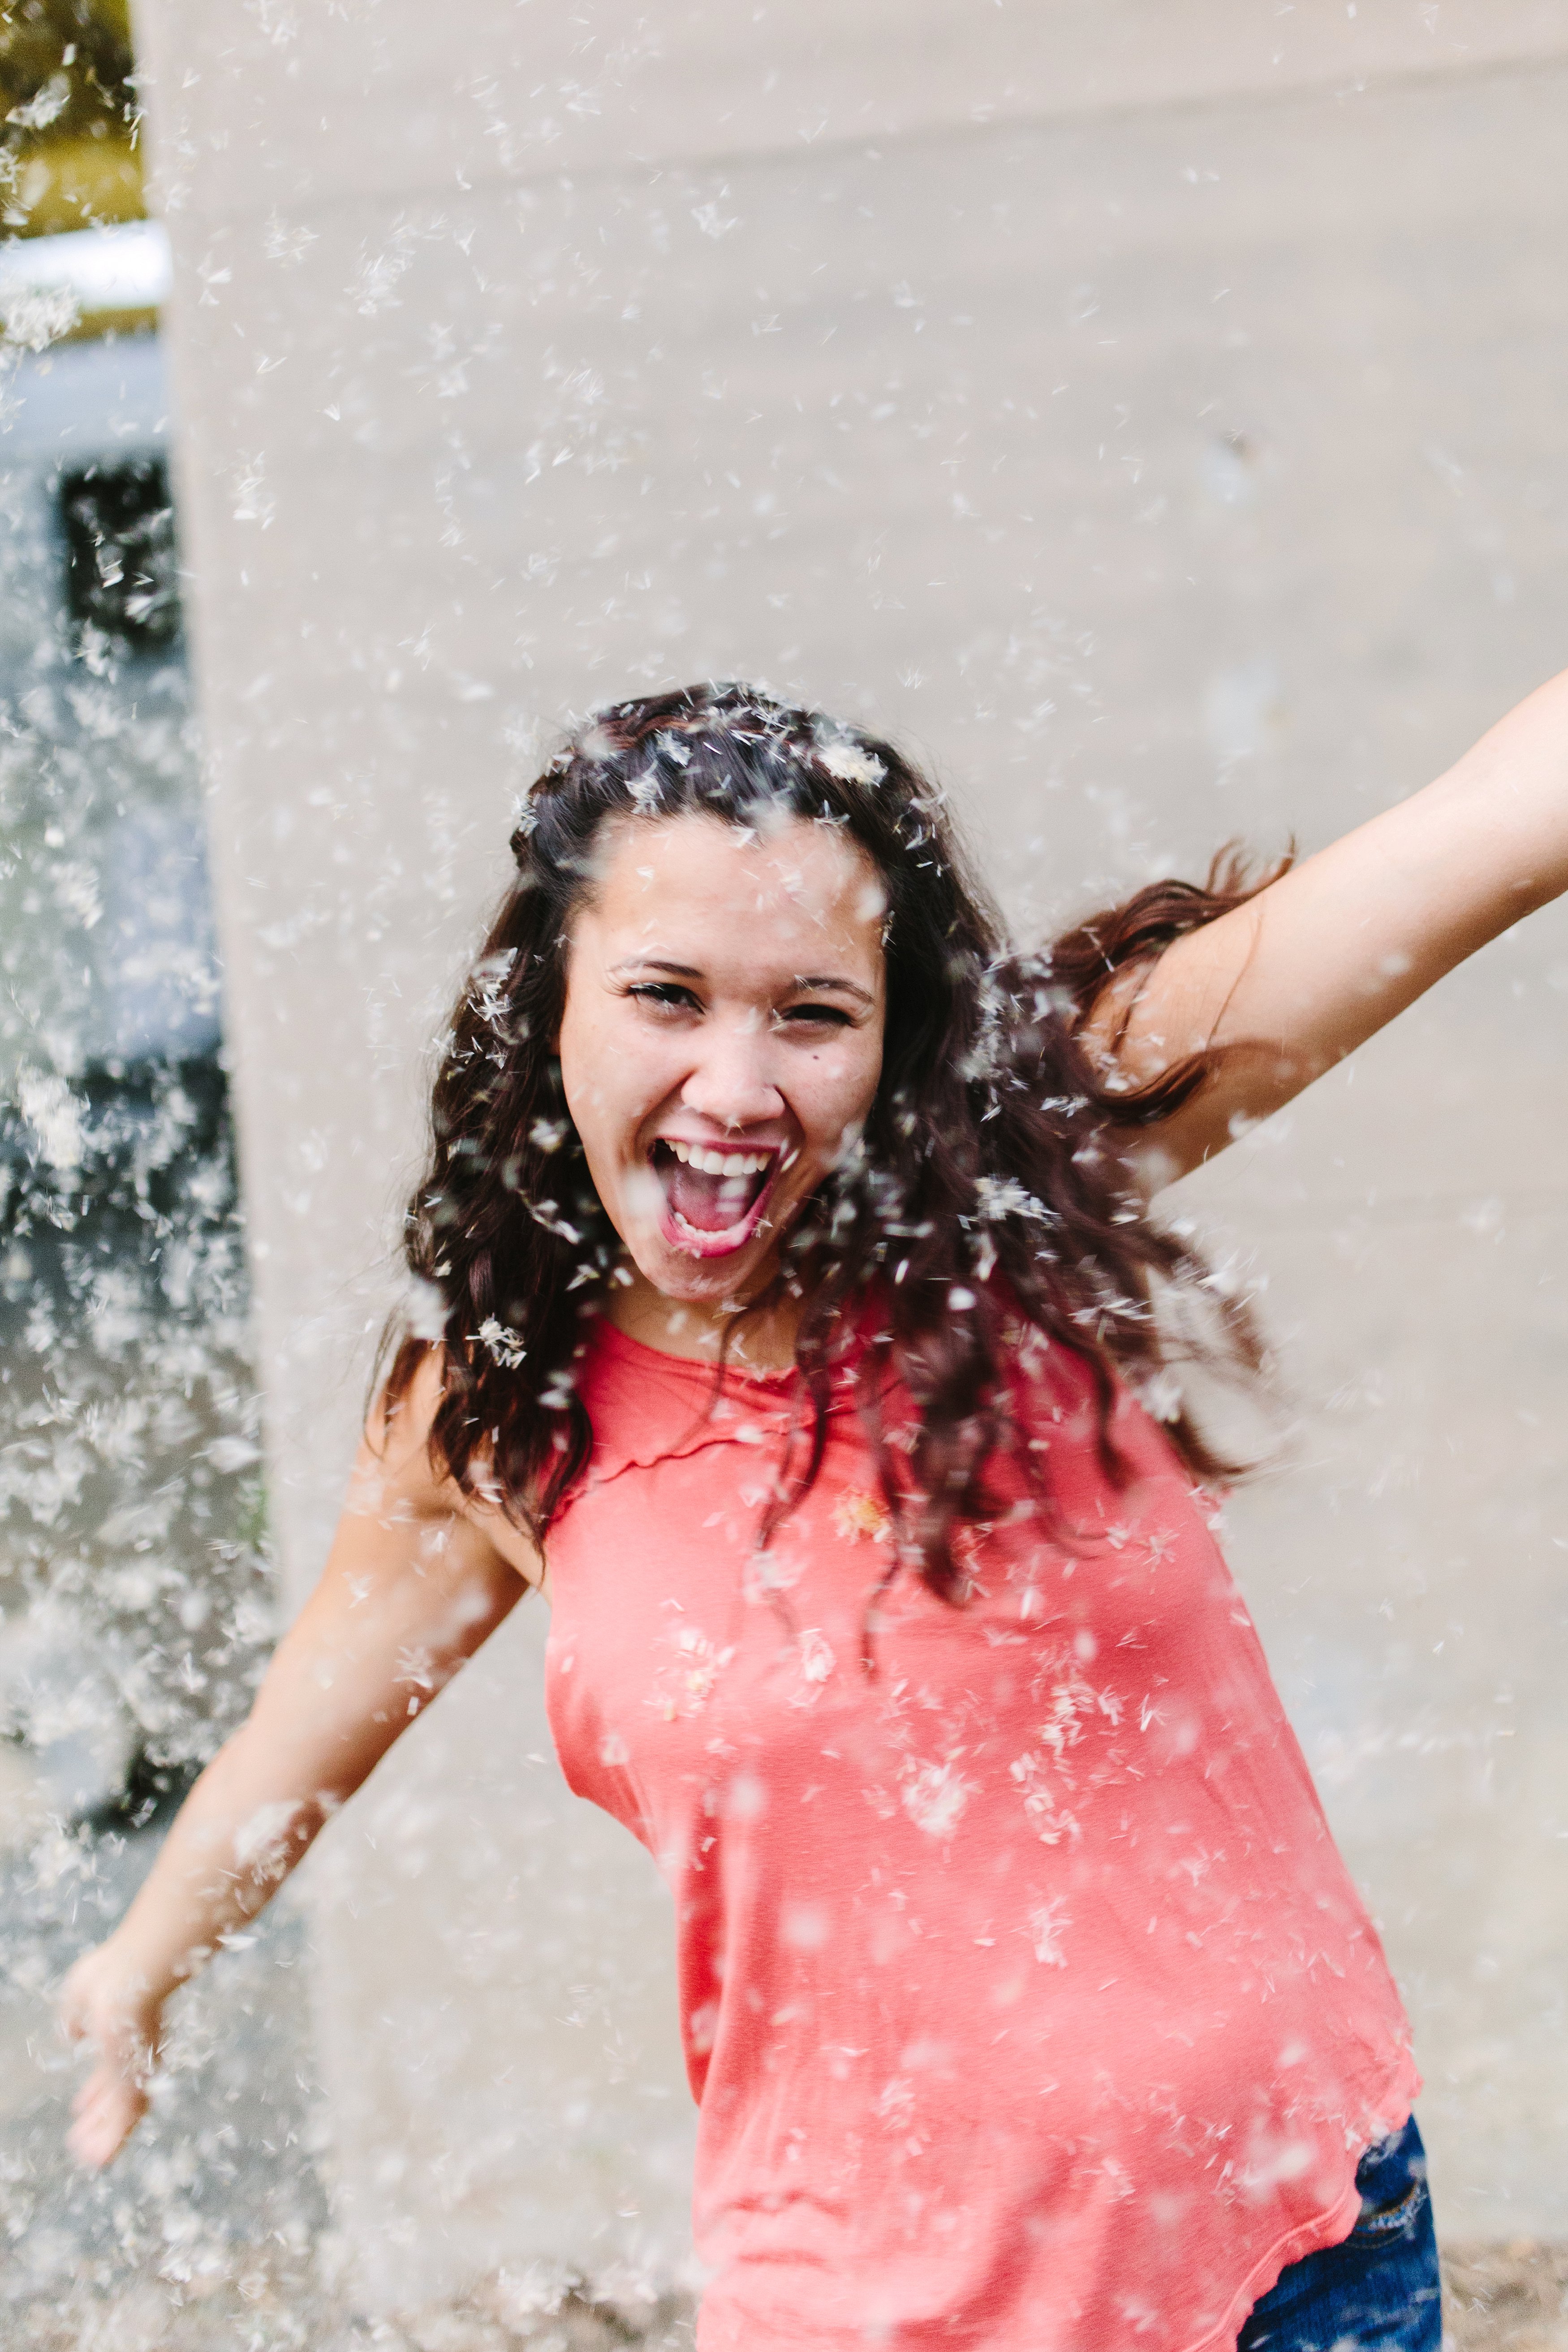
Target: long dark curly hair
(991, 1179)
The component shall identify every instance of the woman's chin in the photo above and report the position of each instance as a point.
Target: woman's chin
(702, 1270)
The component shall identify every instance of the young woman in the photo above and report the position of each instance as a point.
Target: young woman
(788, 1309)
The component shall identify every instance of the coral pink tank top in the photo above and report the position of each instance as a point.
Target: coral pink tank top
(1027, 2002)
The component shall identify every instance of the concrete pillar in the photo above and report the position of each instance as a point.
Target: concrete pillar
(1154, 416)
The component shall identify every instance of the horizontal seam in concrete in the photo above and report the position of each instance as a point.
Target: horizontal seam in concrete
(1316, 1215)
(1405, 81)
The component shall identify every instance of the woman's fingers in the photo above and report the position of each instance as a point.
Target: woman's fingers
(107, 2110)
(114, 2013)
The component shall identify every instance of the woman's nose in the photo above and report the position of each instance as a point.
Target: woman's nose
(731, 1082)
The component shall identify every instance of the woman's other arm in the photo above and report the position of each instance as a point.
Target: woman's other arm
(1305, 972)
(411, 1588)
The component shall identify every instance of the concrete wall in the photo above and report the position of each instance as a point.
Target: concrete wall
(1153, 410)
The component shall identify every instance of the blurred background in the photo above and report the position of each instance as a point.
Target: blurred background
(1153, 412)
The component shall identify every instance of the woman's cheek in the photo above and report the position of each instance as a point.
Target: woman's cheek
(643, 1196)
(846, 1114)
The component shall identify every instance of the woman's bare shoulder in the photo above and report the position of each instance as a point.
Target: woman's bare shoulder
(400, 1473)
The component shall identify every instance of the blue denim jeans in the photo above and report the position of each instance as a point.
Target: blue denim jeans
(1375, 2291)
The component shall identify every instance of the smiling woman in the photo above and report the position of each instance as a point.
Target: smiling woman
(786, 1308)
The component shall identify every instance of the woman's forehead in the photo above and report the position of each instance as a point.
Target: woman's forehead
(796, 873)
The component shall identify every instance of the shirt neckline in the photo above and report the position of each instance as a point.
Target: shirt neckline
(610, 1335)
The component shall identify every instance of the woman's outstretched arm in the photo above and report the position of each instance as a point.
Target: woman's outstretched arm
(1306, 972)
(411, 1588)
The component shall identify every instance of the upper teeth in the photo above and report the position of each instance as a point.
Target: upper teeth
(720, 1163)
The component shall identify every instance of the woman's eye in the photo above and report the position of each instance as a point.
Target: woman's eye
(833, 1014)
(664, 995)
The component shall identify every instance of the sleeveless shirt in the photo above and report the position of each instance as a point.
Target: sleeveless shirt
(1026, 2001)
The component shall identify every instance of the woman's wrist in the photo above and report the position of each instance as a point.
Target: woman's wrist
(149, 1962)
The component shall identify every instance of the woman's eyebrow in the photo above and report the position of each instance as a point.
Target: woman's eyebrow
(658, 964)
(819, 979)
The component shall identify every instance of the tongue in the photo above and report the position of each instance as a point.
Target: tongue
(710, 1203)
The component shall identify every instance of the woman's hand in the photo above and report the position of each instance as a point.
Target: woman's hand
(108, 2002)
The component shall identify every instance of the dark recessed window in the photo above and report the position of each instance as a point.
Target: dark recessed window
(121, 572)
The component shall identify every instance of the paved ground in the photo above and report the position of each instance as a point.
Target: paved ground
(254, 2314)
(1498, 2300)
(1508, 2298)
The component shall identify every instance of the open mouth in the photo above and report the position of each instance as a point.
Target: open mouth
(713, 1197)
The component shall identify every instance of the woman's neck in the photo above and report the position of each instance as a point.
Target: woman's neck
(697, 1329)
